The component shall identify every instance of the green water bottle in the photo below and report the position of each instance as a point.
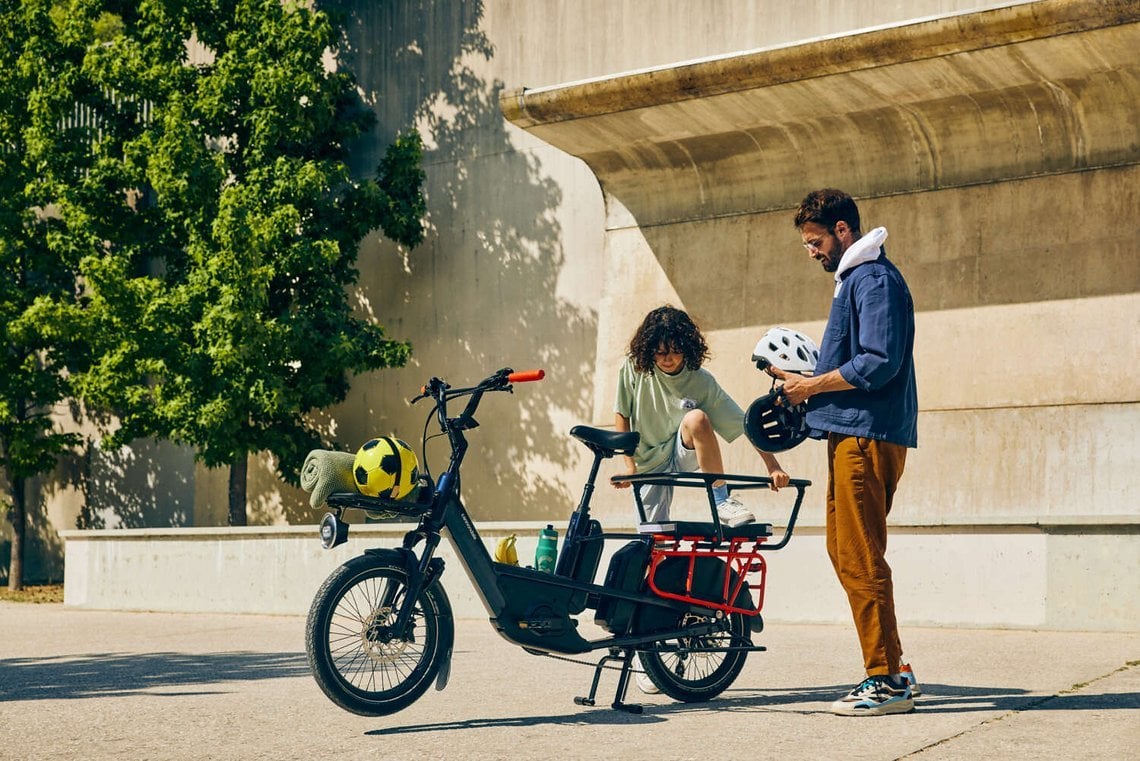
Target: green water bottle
(547, 552)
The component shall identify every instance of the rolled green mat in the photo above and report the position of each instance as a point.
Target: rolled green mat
(326, 472)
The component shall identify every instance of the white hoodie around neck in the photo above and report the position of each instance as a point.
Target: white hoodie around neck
(866, 249)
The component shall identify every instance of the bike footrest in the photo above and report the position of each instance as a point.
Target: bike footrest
(706, 530)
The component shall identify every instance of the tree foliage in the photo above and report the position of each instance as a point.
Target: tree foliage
(203, 194)
(35, 269)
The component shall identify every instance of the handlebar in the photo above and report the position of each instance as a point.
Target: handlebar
(526, 376)
(440, 390)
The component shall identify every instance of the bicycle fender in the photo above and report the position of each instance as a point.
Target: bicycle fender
(435, 571)
(444, 672)
(397, 556)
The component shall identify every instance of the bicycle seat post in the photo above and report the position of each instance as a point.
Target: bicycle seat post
(581, 515)
(603, 445)
(588, 488)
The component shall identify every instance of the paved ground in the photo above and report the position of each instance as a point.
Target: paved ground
(83, 684)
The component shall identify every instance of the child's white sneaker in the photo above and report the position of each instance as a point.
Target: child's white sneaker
(732, 513)
(646, 685)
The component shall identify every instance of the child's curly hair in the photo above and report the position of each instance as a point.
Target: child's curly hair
(672, 328)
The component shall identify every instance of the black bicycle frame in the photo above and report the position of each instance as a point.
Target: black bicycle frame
(447, 513)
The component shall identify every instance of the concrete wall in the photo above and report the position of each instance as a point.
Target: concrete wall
(530, 264)
(995, 194)
(1011, 229)
(513, 268)
(992, 575)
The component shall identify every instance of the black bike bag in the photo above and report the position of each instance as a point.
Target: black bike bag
(703, 580)
(626, 573)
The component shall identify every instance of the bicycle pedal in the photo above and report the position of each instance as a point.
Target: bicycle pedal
(584, 701)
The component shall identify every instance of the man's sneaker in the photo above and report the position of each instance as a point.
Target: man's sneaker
(907, 673)
(646, 685)
(875, 696)
(732, 513)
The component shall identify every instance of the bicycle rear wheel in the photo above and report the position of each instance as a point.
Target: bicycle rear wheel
(685, 669)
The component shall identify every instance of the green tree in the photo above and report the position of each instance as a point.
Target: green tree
(35, 271)
(219, 227)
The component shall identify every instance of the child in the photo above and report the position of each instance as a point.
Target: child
(678, 408)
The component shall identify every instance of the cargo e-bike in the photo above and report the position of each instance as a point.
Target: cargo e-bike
(686, 596)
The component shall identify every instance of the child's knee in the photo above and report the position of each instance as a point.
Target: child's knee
(697, 422)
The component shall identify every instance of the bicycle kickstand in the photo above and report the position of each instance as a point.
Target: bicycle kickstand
(619, 703)
(626, 657)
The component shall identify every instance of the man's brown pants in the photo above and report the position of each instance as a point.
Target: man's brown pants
(862, 476)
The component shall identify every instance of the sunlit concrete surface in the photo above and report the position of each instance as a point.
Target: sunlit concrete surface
(102, 685)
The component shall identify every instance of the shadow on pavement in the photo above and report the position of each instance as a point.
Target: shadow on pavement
(954, 700)
(581, 717)
(937, 698)
(118, 674)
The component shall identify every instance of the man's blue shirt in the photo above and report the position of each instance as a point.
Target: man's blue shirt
(870, 339)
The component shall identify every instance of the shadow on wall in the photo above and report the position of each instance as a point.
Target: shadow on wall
(481, 292)
(126, 488)
(1005, 243)
(145, 485)
(43, 550)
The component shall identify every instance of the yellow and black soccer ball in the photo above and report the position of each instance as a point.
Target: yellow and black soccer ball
(385, 467)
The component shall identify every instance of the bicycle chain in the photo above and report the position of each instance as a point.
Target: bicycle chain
(586, 663)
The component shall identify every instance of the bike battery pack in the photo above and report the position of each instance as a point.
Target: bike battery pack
(579, 561)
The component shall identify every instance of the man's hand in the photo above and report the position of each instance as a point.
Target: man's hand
(797, 388)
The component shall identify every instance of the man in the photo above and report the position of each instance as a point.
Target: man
(863, 400)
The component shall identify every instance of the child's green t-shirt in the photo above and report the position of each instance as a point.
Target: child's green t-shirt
(654, 404)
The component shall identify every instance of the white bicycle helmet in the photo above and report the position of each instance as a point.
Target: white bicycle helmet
(786, 349)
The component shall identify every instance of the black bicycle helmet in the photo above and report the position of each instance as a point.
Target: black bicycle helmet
(773, 425)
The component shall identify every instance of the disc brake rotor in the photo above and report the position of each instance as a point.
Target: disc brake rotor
(375, 640)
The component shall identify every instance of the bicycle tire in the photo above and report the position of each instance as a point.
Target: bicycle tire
(689, 674)
(353, 662)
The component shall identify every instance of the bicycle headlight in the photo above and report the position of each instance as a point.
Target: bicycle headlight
(333, 532)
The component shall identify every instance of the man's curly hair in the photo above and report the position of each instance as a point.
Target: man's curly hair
(672, 328)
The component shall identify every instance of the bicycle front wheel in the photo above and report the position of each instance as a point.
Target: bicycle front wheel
(355, 658)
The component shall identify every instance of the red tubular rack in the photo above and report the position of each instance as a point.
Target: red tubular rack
(739, 555)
